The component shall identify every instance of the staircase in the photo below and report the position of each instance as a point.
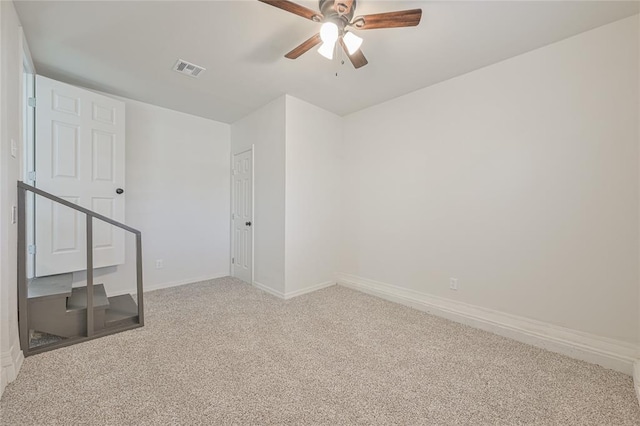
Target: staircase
(56, 308)
(68, 315)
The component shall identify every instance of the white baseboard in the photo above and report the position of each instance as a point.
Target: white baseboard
(296, 293)
(184, 282)
(268, 290)
(10, 364)
(310, 289)
(610, 353)
(148, 288)
(636, 378)
(4, 381)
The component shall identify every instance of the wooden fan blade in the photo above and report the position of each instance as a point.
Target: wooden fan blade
(357, 59)
(404, 18)
(304, 47)
(295, 9)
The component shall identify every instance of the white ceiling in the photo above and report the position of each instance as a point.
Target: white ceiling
(128, 48)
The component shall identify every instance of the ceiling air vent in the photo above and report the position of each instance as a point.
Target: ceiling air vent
(187, 68)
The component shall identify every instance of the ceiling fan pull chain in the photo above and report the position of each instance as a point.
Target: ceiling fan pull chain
(341, 59)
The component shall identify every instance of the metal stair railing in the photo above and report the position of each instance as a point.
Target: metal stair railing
(23, 316)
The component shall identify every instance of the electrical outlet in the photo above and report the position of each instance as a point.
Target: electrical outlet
(453, 283)
(14, 148)
(159, 264)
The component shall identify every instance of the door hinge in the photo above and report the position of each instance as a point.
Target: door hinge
(31, 249)
(233, 260)
(31, 102)
(31, 176)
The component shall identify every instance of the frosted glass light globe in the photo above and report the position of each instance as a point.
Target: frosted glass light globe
(329, 32)
(353, 42)
(326, 50)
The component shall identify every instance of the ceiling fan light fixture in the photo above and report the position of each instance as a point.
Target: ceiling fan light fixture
(326, 50)
(338, 15)
(352, 41)
(329, 32)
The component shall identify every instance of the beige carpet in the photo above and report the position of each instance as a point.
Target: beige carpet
(222, 352)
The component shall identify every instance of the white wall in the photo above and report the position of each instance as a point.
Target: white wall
(265, 129)
(10, 128)
(636, 370)
(636, 366)
(313, 145)
(177, 194)
(519, 179)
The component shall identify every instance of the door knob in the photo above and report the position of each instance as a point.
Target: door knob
(119, 191)
(248, 223)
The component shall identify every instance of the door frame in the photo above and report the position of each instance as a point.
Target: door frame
(253, 211)
(28, 86)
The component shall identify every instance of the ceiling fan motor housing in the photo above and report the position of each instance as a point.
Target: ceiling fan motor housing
(339, 12)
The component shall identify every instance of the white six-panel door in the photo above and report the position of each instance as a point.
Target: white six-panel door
(80, 142)
(242, 213)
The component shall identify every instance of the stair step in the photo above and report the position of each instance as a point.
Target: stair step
(53, 286)
(78, 299)
(121, 308)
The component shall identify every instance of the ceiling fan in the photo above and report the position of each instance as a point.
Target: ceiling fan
(337, 17)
